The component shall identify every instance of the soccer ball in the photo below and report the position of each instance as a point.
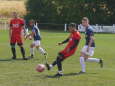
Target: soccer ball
(40, 68)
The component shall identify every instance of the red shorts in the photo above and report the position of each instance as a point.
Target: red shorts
(16, 39)
(66, 54)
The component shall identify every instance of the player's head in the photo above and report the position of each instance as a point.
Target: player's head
(85, 21)
(31, 22)
(72, 27)
(15, 14)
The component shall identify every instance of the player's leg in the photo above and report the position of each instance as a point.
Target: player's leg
(86, 56)
(12, 44)
(82, 62)
(49, 67)
(61, 56)
(13, 50)
(32, 46)
(100, 61)
(22, 50)
(20, 44)
(57, 62)
(59, 65)
(90, 59)
(39, 48)
(83, 57)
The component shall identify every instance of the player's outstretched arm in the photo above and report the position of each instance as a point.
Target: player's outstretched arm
(30, 36)
(63, 42)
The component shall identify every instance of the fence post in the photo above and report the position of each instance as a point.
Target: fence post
(5, 25)
(65, 27)
(114, 28)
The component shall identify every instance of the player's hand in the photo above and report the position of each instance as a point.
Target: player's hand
(30, 37)
(88, 49)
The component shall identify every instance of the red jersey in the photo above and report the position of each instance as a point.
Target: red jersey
(16, 26)
(73, 36)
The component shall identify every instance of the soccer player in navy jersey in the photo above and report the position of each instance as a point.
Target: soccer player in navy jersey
(35, 34)
(88, 50)
(73, 41)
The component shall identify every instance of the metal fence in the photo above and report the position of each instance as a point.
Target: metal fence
(97, 28)
(100, 28)
(4, 25)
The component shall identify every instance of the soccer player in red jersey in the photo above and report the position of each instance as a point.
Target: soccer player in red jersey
(15, 33)
(73, 41)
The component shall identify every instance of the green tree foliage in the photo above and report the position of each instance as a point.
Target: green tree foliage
(42, 10)
(64, 11)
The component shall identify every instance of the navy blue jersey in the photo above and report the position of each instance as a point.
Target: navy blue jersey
(36, 36)
(89, 32)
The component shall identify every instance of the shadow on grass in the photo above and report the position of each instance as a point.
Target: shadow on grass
(5, 59)
(69, 74)
(17, 59)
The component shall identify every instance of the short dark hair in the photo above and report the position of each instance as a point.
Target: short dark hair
(73, 25)
(32, 20)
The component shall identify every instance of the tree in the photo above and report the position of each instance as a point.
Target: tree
(41, 10)
(65, 11)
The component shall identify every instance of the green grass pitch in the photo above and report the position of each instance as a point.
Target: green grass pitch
(22, 73)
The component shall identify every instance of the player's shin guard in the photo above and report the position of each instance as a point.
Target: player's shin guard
(59, 64)
(82, 62)
(13, 52)
(22, 52)
(55, 62)
(42, 51)
(93, 60)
